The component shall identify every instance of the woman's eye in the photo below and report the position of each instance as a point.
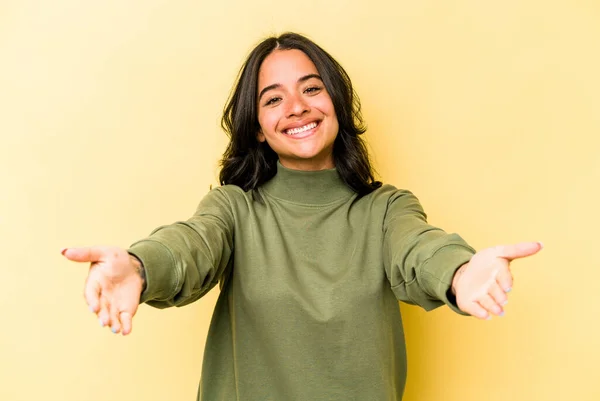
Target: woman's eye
(312, 89)
(273, 100)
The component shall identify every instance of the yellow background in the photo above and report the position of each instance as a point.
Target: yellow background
(488, 111)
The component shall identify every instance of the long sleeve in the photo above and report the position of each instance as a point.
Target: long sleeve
(184, 260)
(420, 260)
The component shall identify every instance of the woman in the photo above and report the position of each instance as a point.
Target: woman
(311, 253)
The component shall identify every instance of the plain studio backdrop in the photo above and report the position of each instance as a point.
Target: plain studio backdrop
(109, 126)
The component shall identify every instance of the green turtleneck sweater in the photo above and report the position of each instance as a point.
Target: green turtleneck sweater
(310, 277)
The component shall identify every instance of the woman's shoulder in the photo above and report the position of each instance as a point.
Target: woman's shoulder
(389, 191)
(393, 199)
(231, 195)
(229, 192)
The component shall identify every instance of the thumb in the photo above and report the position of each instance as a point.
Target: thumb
(521, 250)
(85, 254)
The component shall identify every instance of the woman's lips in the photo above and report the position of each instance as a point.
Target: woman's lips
(303, 131)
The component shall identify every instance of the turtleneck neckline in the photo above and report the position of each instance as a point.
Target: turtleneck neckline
(307, 187)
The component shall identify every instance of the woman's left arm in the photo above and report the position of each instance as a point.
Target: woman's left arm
(428, 267)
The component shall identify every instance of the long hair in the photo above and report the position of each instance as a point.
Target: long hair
(248, 163)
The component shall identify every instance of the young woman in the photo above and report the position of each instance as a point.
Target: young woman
(311, 253)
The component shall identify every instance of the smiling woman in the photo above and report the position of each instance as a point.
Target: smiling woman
(311, 253)
(286, 83)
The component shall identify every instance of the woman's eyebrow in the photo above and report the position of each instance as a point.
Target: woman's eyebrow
(300, 80)
(268, 88)
(309, 76)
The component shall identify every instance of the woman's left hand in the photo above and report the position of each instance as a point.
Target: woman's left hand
(482, 284)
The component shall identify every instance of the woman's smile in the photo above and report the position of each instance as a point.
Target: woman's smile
(302, 131)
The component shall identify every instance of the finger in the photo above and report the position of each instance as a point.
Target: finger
(126, 323)
(490, 305)
(91, 293)
(504, 278)
(115, 324)
(475, 310)
(524, 249)
(86, 254)
(104, 315)
(498, 295)
(128, 310)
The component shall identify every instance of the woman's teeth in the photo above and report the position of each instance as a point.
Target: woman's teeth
(298, 130)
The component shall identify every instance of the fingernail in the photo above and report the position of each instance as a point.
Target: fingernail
(504, 303)
(541, 244)
(113, 329)
(101, 322)
(62, 252)
(508, 289)
(489, 317)
(91, 309)
(501, 314)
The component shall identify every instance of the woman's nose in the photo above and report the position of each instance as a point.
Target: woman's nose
(297, 106)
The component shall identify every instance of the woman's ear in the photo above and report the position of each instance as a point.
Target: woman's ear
(260, 136)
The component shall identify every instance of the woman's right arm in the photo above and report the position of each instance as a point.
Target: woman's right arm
(184, 260)
(174, 266)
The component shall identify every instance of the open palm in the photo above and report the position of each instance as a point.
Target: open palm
(482, 284)
(113, 286)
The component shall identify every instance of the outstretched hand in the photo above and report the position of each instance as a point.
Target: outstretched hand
(113, 286)
(482, 284)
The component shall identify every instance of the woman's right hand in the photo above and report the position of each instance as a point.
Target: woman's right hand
(113, 286)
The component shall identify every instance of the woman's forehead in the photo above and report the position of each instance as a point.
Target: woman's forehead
(285, 67)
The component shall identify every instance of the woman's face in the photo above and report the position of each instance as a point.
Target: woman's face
(295, 112)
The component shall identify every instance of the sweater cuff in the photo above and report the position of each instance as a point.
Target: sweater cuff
(159, 265)
(439, 271)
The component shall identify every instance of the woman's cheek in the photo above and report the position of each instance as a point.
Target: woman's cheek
(272, 124)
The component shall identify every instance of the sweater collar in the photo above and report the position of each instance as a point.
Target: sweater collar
(307, 187)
